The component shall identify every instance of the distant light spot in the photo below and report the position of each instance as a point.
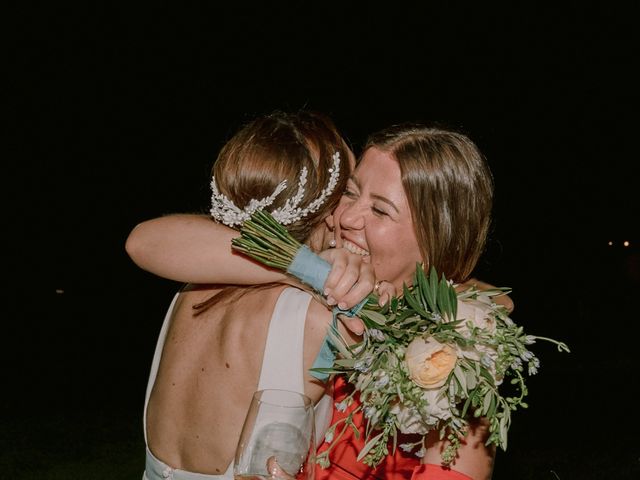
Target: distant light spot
(59, 291)
(610, 243)
(626, 243)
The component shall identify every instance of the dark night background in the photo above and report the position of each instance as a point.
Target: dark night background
(116, 113)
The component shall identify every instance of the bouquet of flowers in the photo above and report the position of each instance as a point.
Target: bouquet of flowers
(431, 359)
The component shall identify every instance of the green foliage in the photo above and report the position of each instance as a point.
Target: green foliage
(490, 348)
(487, 353)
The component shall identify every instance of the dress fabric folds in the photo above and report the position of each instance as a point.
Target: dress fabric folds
(401, 465)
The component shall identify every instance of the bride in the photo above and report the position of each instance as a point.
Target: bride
(219, 344)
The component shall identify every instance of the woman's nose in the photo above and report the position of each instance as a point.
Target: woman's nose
(352, 217)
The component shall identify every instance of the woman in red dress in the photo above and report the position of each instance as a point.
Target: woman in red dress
(417, 195)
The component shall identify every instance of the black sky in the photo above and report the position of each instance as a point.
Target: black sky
(121, 110)
(117, 112)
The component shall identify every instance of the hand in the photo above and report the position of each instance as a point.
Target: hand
(275, 471)
(350, 280)
(504, 300)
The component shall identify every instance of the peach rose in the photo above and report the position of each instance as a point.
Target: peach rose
(429, 362)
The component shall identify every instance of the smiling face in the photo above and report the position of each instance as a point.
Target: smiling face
(373, 218)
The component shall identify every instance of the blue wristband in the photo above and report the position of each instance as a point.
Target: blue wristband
(309, 268)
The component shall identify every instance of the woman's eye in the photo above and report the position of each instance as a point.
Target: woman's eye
(349, 193)
(378, 212)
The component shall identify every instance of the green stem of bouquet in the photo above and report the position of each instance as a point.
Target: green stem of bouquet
(323, 458)
(561, 345)
(266, 241)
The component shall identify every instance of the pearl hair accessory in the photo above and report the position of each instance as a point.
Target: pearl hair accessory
(225, 211)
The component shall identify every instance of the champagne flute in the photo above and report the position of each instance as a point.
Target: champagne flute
(279, 425)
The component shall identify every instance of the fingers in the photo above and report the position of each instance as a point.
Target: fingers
(353, 324)
(504, 300)
(275, 471)
(350, 294)
(350, 279)
(386, 290)
(338, 258)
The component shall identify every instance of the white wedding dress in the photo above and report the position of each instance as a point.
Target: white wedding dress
(282, 368)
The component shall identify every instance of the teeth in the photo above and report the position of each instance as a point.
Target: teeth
(354, 248)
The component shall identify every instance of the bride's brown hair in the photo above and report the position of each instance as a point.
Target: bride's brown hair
(277, 147)
(273, 148)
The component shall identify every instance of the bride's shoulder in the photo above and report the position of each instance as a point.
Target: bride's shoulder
(318, 315)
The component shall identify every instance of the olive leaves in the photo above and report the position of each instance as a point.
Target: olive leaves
(488, 347)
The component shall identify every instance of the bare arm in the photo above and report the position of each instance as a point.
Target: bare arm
(193, 249)
(504, 300)
(474, 458)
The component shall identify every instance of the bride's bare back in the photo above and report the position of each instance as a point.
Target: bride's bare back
(209, 371)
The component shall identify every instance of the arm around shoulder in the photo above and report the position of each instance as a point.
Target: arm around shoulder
(193, 249)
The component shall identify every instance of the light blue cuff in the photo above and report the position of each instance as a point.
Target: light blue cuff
(326, 355)
(309, 268)
(325, 359)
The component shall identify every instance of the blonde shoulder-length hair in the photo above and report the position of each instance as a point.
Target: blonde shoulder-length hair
(449, 187)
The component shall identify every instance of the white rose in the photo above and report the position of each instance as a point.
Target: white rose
(480, 315)
(409, 420)
(476, 312)
(429, 362)
(438, 405)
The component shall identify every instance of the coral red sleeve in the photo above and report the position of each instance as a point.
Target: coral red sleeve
(437, 472)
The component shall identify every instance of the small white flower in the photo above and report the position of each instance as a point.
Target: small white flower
(487, 360)
(328, 437)
(375, 334)
(534, 364)
(526, 355)
(406, 447)
(341, 406)
(420, 453)
(382, 379)
(364, 364)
